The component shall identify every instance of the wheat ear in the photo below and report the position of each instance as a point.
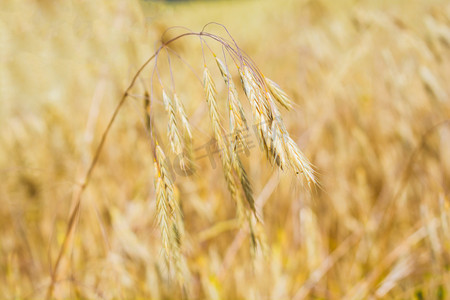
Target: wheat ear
(177, 143)
(279, 94)
(273, 135)
(238, 125)
(262, 115)
(164, 201)
(169, 216)
(182, 116)
(210, 93)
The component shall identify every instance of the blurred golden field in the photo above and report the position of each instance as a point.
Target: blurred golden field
(372, 113)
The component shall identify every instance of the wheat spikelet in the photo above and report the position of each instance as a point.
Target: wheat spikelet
(223, 70)
(182, 115)
(186, 161)
(238, 122)
(273, 136)
(278, 133)
(258, 116)
(299, 163)
(210, 92)
(279, 94)
(253, 90)
(170, 218)
(245, 182)
(239, 111)
(284, 144)
(262, 115)
(173, 127)
(230, 158)
(289, 150)
(179, 260)
(164, 201)
(277, 144)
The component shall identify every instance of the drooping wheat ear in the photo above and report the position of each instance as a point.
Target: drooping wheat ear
(284, 144)
(298, 161)
(187, 133)
(279, 94)
(178, 259)
(164, 201)
(243, 178)
(182, 115)
(262, 115)
(238, 122)
(170, 217)
(225, 154)
(238, 125)
(175, 130)
(231, 162)
(276, 146)
(272, 134)
(278, 132)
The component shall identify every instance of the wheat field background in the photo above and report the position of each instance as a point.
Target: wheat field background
(369, 82)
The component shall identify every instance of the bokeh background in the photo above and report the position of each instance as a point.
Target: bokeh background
(372, 106)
